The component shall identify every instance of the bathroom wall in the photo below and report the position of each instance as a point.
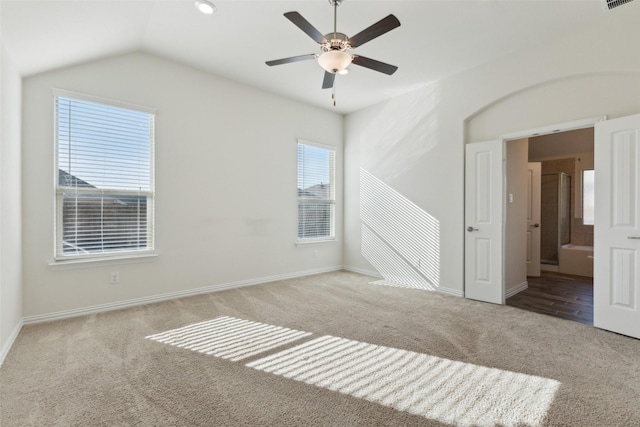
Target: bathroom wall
(515, 270)
(572, 153)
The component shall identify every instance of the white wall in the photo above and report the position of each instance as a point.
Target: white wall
(414, 143)
(10, 204)
(589, 95)
(225, 184)
(515, 237)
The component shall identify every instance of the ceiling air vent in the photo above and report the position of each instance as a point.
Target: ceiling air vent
(612, 4)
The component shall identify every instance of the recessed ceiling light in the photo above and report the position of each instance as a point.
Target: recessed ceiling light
(205, 6)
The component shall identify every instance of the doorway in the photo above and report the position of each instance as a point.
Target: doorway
(562, 286)
(616, 280)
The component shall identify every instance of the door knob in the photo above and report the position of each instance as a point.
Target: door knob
(536, 225)
(470, 228)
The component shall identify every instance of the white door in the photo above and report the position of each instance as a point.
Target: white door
(533, 218)
(484, 213)
(617, 226)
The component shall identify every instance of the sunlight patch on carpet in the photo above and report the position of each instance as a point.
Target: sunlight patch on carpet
(229, 338)
(444, 390)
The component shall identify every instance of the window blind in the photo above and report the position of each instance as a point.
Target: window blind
(316, 192)
(104, 185)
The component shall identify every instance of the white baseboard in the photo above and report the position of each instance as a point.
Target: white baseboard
(441, 289)
(9, 343)
(449, 291)
(521, 287)
(371, 273)
(169, 296)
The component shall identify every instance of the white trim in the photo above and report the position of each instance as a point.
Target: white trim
(554, 128)
(330, 201)
(100, 100)
(516, 290)
(450, 291)
(169, 296)
(439, 289)
(60, 190)
(311, 242)
(371, 273)
(316, 144)
(12, 338)
(77, 263)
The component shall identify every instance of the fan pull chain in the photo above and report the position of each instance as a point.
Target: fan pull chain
(333, 93)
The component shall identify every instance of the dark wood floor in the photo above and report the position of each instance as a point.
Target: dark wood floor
(567, 297)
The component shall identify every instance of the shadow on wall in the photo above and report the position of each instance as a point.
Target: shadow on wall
(402, 132)
(399, 239)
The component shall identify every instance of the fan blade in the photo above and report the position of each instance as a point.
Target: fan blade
(374, 65)
(329, 78)
(291, 59)
(305, 26)
(379, 28)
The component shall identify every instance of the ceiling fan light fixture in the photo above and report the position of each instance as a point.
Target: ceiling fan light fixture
(205, 6)
(335, 61)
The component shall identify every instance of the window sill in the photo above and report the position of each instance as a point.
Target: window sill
(99, 262)
(315, 242)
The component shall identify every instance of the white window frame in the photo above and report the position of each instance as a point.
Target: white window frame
(330, 201)
(582, 184)
(60, 257)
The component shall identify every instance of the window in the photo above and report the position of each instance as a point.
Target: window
(588, 199)
(316, 192)
(104, 182)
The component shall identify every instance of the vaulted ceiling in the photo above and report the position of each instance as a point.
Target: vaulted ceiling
(436, 38)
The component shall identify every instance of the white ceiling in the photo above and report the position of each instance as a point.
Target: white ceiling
(436, 38)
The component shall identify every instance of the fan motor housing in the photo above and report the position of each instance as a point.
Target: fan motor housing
(336, 41)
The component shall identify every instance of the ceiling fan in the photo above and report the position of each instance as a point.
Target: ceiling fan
(334, 58)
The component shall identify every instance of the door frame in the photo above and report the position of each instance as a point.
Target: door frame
(534, 202)
(529, 133)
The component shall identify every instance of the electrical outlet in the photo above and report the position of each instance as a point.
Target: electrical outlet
(115, 277)
(315, 254)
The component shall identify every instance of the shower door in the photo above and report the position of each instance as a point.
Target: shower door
(556, 216)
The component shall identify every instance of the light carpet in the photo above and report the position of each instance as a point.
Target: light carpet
(326, 350)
